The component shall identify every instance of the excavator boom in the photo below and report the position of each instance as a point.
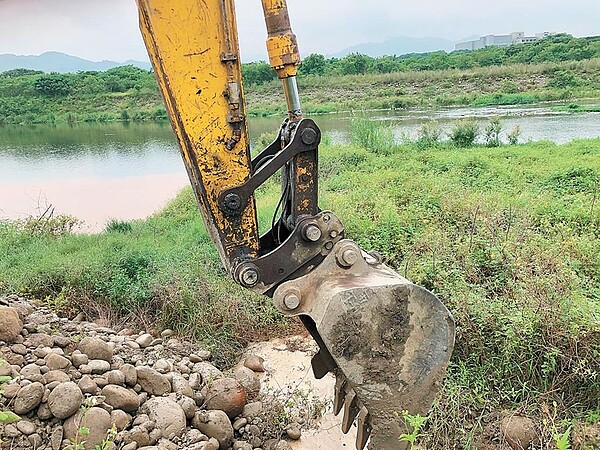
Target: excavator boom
(387, 340)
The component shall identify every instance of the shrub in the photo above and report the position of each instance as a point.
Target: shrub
(514, 135)
(492, 132)
(464, 133)
(372, 136)
(429, 134)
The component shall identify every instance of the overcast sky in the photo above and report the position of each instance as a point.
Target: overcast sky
(107, 29)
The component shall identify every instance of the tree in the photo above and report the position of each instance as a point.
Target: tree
(14, 73)
(54, 84)
(257, 73)
(313, 64)
(356, 64)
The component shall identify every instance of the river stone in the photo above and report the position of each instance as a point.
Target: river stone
(130, 374)
(96, 348)
(10, 324)
(54, 361)
(79, 358)
(28, 398)
(215, 424)
(65, 399)
(88, 385)
(120, 398)
(180, 385)
(144, 340)
(115, 377)
(97, 366)
(293, 431)
(10, 390)
(43, 412)
(97, 420)
(120, 418)
(167, 414)
(55, 375)
(255, 363)
(226, 394)
(189, 406)
(152, 382)
(249, 379)
(519, 432)
(207, 371)
(31, 372)
(56, 438)
(26, 427)
(137, 434)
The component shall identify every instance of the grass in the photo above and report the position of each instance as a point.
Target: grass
(507, 237)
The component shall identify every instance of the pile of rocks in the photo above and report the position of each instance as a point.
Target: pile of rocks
(77, 385)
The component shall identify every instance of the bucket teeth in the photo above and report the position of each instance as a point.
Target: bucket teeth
(364, 428)
(351, 410)
(340, 393)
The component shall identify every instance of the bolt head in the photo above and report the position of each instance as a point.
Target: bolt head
(291, 301)
(312, 233)
(347, 256)
(249, 277)
(309, 136)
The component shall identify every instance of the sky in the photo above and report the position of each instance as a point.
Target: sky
(108, 29)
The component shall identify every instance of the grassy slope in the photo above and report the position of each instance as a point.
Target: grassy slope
(511, 84)
(507, 237)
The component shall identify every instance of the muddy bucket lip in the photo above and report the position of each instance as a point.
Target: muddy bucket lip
(387, 338)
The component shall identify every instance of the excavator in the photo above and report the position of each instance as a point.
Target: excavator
(386, 340)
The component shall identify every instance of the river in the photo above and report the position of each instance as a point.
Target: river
(127, 171)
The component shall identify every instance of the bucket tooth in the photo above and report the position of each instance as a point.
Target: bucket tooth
(364, 428)
(351, 410)
(340, 392)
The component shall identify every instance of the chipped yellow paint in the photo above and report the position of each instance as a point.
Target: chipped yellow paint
(282, 45)
(194, 50)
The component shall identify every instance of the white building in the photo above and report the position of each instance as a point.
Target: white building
(501, 40)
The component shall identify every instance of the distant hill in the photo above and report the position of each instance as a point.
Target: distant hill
(400, 45)
(61, 62)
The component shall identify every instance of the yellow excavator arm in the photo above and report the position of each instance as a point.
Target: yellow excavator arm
(387, 340)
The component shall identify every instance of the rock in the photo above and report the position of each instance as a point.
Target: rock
(11, 431)
(239, 423)
(144, 340)
(249, 379)
(28, 398)
(180, 385)
(61, 341)
(519, 432)
(96, 348)
(31, 372)
(207, 371)
(26, 427)
(255, 363)
(188, 405)
(19, 349)
(55, 361)
(88, 385)
(167, 414)
(163, 366)
(293, 431)
(153, 382)
(215, 424)
(166, 333)
(43, 412)
(97, 420)
(121, 398)
(10, 324)
(10, 390)
(226, 394)
(195, 381)
(115, 377)
(252, 410)
(97, 366)
(55, 375)
(120, 418)
(130, 374)
(131, 446)
(241, 445)
(56, 438)
(79, 358)
(137, 434)
(65, 399)
(35, 440)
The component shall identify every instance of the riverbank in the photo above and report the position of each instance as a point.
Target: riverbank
(506, 236)
(128, 94)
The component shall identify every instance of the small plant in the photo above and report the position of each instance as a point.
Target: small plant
(416, 423)
(514, 135)
(118, 226)
(372, 136)
(429, 134)
(492, 132)
(464, 133)
(562, 440)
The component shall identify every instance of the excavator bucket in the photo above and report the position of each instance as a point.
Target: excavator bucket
(387, 341)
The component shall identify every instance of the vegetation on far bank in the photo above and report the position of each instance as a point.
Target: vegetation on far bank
(506, 235)
(560, 67)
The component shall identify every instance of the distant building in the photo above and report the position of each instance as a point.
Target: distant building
(501, 40)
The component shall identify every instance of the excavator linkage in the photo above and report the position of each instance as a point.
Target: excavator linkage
(387, 340)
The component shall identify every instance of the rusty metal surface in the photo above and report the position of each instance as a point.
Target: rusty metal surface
(390, 339)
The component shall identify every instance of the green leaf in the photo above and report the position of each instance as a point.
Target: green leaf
(8, 417)
(5, 379)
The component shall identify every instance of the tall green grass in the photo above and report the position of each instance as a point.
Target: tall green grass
(507, 237)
